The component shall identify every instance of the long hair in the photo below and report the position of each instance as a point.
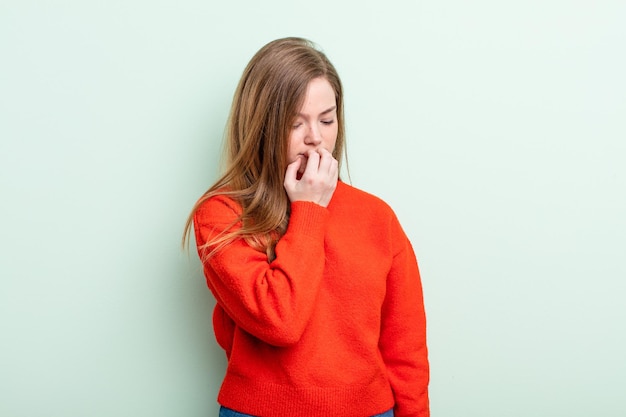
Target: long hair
(270, 93)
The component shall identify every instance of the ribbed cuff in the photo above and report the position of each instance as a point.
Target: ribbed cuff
(308, 218)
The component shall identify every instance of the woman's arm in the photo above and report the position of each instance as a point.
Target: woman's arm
(403, 333)
(272, 301)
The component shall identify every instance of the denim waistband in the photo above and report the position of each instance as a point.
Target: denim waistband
(227, 412)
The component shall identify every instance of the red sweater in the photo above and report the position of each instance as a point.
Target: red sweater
(334, 326)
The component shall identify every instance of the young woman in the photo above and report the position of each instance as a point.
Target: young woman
(319, 300)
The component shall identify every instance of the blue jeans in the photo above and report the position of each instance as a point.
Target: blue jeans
(227, 412)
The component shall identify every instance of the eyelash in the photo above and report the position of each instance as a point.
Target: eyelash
(324, 122)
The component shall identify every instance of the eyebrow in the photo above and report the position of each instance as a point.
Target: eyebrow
(322, 113)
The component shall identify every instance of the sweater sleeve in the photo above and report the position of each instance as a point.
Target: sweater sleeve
(403, 332)
(272, 301)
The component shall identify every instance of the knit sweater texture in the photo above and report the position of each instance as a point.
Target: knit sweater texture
(333, 326)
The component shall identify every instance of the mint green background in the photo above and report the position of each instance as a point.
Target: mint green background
(496, 130)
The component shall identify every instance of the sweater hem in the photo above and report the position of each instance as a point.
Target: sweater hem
(277, 400)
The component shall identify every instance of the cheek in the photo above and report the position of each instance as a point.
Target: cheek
(331, 136)
(292, 147)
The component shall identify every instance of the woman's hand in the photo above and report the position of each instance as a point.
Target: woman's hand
(318, 181)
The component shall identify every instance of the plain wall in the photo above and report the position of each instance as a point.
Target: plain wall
(496, 130)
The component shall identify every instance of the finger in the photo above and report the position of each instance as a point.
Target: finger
(333, 169)
(325, 160)
(328, 163)
(313, 162)
(292, 172)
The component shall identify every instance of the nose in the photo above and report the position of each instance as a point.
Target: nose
(313, 135)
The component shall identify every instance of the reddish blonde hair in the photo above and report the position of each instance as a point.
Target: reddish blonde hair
(268, 97)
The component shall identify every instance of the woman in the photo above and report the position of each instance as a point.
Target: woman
(319, 301)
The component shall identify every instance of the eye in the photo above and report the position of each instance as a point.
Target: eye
(296, 125)
(328, 122)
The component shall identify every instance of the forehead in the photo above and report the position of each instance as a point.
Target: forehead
(320, 96)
